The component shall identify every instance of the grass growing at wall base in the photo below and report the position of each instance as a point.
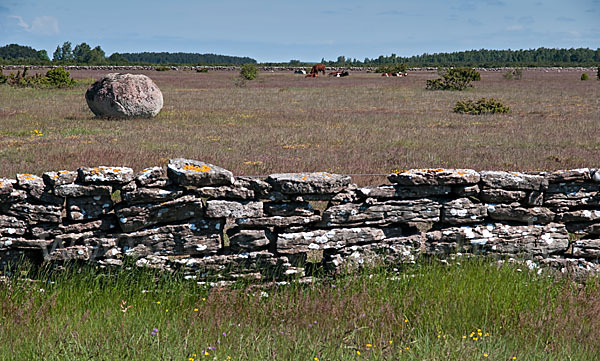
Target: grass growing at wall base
(470, 311)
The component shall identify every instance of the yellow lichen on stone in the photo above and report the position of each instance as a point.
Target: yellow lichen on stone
(203, 168)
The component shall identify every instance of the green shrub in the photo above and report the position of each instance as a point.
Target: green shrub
(395, 68)
(58, 77)
(162, 68)
(249, 71)
(516, 74)
(584, 76)
(481, 106)
(454, 79)
(598, 72)
(201, 70)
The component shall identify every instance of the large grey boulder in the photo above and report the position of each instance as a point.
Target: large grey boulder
(124, 96)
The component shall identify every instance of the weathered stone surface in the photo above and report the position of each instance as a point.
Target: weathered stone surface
(102, 174)
(231, 209)
(259, 186)
(11, 226)
(466, 191)
(33, 184)
(517, 213)
(34, 213)
(513, 181)
(187, 172)
(571, 175)
(37, 190)
(278, 221)
(86, 208)
(500, 238)
(496, 195)
(6, 187)
(417, 177)
(151, 177)
(124, 96)
(59, 178)
(403, 211)
(535, 198)
(198, 237)
(386, 253)
(586, 248)
(82, 190)
(289, 209)
(245, 240)
(224, 192)
(572, 195)
(150, 195)
(308, 183)
(584, 215)
(463, 211)
(584, 228)
(290, 243)
(404, 192)
(132, 218)
(15, 195)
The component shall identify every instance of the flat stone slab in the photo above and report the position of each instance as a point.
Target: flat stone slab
(231, 209)
(517, 213)
(149, 177)
(135, 217)
(104, 174)
(571, 175)
(403, 192)
(513, 181)
(416, 177)
(82, 190)
(308, 183)
(188, 172)
(300, 242)
(500, 238)
(61, 177)
(463, 211)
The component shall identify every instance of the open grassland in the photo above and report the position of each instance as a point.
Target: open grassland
(283, 122)
(470, 311)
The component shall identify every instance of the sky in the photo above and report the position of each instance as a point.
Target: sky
(307, 30)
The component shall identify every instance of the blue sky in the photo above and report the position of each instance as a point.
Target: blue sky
(270, 30)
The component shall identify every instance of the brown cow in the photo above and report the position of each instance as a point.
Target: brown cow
(318, 68)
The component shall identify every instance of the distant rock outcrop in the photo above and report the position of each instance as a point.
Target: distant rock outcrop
(124, 96)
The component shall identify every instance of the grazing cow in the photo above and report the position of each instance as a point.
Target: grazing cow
(300, 71)
(339, 74)
(318, 68)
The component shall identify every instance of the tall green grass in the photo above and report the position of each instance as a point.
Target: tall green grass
(473, 310)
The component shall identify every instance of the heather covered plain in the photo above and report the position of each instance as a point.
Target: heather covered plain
(283, 122)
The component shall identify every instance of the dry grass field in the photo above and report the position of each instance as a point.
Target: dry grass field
(283, 122)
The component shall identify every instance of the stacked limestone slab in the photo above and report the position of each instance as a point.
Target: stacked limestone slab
(201, 218)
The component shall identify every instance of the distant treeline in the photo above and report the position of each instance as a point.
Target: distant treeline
(485, 58)
(86, 55)
(182, 58)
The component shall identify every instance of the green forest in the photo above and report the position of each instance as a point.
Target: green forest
(84, 54)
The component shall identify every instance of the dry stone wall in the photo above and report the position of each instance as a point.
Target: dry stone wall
(200, 218)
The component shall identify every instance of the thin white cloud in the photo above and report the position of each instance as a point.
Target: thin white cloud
(41, 25)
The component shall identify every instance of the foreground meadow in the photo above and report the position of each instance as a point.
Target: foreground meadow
(283, 122)
(470, 311)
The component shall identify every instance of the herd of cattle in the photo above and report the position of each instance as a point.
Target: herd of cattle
(314, 72)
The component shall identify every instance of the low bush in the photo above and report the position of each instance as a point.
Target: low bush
(201, 70)
(249, 71)
(516, 74)
(454, 79)
(481, 106)
(584, 76)
(394, 68)
(162, 68)
(54, 78)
